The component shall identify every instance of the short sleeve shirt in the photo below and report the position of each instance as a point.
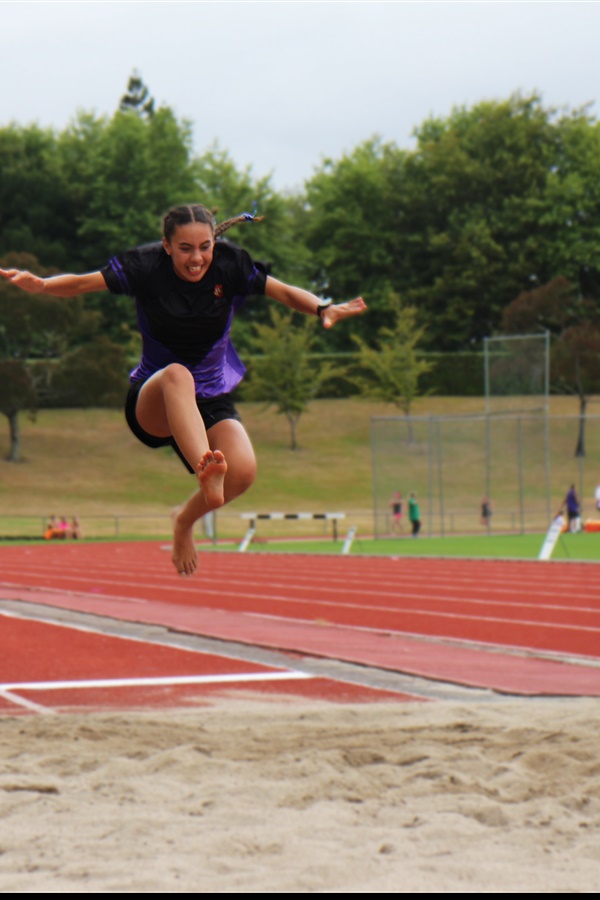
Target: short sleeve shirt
(187, 322)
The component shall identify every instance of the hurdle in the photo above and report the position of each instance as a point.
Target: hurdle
(333, 517)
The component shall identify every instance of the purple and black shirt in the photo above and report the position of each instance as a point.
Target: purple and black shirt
(185, 322)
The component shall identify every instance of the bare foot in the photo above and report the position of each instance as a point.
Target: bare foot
(184, 555)
(340, 311)
(211, 473)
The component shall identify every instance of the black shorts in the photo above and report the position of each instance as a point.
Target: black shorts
(212, 411)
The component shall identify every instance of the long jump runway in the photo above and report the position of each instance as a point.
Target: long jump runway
(523, 628)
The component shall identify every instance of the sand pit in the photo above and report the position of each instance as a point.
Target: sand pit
(253, 796)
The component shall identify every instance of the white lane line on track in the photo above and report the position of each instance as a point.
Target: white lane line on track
(28, 704)
(487, 598)
(152, 682)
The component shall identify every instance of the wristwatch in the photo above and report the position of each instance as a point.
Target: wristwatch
(323, 304)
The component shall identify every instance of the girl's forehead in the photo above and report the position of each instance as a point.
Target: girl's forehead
(193, 232)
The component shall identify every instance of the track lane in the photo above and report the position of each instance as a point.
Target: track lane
(548, 607)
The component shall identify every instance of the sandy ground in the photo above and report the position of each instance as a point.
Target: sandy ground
(292, 796)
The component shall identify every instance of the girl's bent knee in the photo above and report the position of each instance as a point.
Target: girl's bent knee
(178, 376)
(238, 483)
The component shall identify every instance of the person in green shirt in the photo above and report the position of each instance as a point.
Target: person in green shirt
(413, 514)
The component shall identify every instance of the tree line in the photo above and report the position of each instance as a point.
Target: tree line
(493, 203)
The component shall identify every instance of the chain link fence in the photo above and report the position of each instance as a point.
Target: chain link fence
(522, 463)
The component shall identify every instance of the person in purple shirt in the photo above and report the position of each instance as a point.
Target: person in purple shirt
(571, 502)
(187, 289)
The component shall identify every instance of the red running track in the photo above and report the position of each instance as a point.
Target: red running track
(486, 623)
(51, 667)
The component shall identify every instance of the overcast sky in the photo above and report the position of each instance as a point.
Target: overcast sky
(282, 85)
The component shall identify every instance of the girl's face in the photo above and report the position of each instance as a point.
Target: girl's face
(191, 250)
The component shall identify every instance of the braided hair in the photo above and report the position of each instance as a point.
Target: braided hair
(184, 215)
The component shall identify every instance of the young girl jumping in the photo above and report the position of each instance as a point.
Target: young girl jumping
(186, 290)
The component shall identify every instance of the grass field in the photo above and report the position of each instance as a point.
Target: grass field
(510, 546)
(86, 463)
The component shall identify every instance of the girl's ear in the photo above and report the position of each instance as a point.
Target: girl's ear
(166, 245)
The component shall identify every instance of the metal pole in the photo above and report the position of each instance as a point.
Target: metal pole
(440, 476)
(374, 468)
(547, 429)
(520, 466)
(488, 452)
(486, 376)
(580, 485)
(430, 479)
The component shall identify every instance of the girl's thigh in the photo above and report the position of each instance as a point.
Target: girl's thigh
(172, 385)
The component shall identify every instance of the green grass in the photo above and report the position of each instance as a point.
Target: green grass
(582, 547)
(513, 546)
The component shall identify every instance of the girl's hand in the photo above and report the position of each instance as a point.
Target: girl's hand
(33, 284)
(340, 311)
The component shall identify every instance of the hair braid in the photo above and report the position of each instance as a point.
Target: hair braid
(195, 212)
(222, 227)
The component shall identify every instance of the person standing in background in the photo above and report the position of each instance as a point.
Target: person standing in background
(571, 502)
(396, 507)
(414, 514)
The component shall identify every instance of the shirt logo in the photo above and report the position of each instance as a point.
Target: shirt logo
(218, 291)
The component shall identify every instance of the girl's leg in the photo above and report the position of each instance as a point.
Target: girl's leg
(166, 407)
(236, 476)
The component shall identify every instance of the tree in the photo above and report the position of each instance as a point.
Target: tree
(494, 199)
(282, 373)
(93, 374)
(474, 196)
(574, 321)
(568, 227)
(30, 325)
(75, 198)
(137, 99)
(37, 215)
(390, 370)
(39, 335)
(124, 173)
(17, 394)
(352, 223)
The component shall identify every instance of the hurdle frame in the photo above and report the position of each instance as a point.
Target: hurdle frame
(253, 518)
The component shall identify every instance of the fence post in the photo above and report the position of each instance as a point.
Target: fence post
(520, 466)
(440, 477)
(374, 467)
(430, 485)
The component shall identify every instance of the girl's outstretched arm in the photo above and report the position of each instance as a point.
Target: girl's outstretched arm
(57, 285)
(305, 302)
